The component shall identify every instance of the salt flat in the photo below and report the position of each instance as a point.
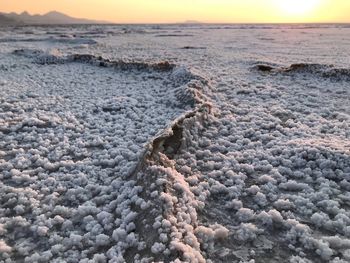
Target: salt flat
(175, 143)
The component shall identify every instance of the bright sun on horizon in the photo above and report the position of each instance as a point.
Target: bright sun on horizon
(297, 7)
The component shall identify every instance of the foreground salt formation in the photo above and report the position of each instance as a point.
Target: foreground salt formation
(69, 148)
(110, 160)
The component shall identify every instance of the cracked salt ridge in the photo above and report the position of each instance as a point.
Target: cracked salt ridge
(118, 234)
(44, 58)
(152, 170)
(325, 71)
(54, 57)
(178, 234)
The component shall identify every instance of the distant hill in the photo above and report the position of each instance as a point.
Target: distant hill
(192, 22)
(4, 20)
(50, 18)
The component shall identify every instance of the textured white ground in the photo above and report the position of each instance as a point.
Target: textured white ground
(212, 143)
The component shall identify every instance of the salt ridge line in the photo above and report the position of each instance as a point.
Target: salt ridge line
(151, 168)
(54, 57)
(157, 165)
(179, 205)
(322, 70)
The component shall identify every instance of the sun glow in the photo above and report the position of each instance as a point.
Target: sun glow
(174, 11)
(297, 7)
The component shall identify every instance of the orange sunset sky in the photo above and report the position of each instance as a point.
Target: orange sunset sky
(211, 11)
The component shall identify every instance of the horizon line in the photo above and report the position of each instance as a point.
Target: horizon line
(187, 21)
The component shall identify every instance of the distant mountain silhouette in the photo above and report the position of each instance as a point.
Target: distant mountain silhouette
(50, 18)
(192, 22)
(4, 20)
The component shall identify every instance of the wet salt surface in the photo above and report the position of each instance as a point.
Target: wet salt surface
(210, 161)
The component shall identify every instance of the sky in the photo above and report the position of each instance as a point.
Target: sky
(173, 11)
